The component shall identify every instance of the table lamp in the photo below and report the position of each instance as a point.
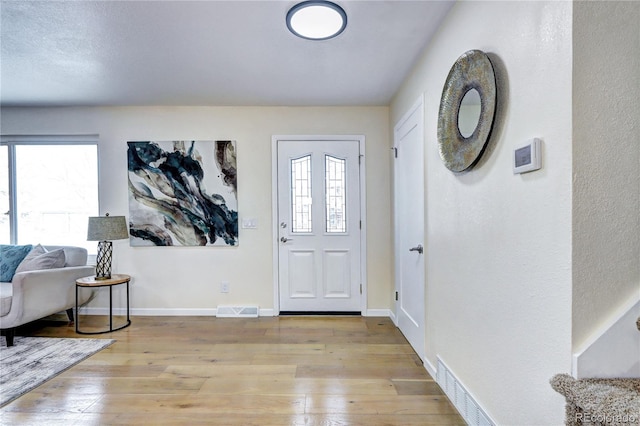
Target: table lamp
(102, 229)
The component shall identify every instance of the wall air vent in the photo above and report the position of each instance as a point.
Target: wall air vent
(250, 311)
(466, 405)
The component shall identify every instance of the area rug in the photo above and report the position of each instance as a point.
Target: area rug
(34, 360)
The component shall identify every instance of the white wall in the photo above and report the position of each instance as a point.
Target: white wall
(606, 161)
(186, 279)
(498, 246)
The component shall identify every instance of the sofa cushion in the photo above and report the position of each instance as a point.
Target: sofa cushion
(39, 258)
(6, 292)
(76, 256)
(10, 258)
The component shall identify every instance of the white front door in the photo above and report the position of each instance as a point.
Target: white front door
(318, 225)
(409, 227)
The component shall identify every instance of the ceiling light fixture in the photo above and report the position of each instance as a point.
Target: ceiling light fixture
(316, 20)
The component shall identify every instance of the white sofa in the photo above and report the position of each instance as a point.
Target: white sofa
(32, 295)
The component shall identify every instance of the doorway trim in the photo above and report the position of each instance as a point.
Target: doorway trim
(274, 210)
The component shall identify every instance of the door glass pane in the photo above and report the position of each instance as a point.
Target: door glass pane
(56, 191)
(336, 194)
(5, 235)
(301, 194)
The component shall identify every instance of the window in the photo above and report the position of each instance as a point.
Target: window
(5, 233)
(301, 194)
(48, 189)
(335, 194)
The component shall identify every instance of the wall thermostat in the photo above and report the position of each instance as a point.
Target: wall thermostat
(528, 157)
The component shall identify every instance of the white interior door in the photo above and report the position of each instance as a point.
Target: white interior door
(319, 226)
(409, 227)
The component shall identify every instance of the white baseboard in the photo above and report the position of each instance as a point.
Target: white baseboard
(148, 312)
(175, 312)
(393, 317)
(431, 369)
(377, 313)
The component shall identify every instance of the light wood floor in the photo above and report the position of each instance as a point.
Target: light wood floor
(265, 371)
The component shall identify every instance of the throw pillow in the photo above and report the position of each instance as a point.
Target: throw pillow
(10, 258)
(36, 251)
(39, 258)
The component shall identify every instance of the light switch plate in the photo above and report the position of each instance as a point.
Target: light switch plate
(249, 223)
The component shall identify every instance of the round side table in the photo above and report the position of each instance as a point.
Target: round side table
(91, 281)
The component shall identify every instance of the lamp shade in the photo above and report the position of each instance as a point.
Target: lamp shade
(107, 228)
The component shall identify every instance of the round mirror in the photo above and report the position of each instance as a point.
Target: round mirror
(467, 110)
(469, 114)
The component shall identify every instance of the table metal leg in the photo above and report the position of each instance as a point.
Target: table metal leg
(77, 314)
(128, 319)
(110, 308)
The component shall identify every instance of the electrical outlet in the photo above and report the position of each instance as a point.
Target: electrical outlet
(224, 287)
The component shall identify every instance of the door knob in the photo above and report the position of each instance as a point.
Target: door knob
(285, 239)
(417, 248)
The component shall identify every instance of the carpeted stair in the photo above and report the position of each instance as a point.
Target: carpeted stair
(600, 401)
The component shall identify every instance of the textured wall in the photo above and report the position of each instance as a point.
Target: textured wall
(178, 279)
(606, 162)
(498, 246)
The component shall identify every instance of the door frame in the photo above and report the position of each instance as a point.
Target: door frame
(274, 210)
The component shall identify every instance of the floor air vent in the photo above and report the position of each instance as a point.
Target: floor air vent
(237, 312)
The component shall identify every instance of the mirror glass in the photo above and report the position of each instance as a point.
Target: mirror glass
(469, 114)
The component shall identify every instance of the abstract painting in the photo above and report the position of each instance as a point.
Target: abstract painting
(182, 193)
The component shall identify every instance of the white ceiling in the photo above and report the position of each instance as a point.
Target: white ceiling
(205, 53)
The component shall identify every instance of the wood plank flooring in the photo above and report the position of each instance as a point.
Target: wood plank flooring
(263, 371)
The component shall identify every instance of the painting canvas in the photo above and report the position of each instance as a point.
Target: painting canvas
(182, 193)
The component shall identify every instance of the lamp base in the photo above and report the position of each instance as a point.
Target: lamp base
(103, 260)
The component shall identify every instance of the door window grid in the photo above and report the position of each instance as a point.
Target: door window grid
(335, 194)
(301, 200)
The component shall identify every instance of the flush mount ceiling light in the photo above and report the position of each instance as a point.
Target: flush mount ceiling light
(316, 20)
